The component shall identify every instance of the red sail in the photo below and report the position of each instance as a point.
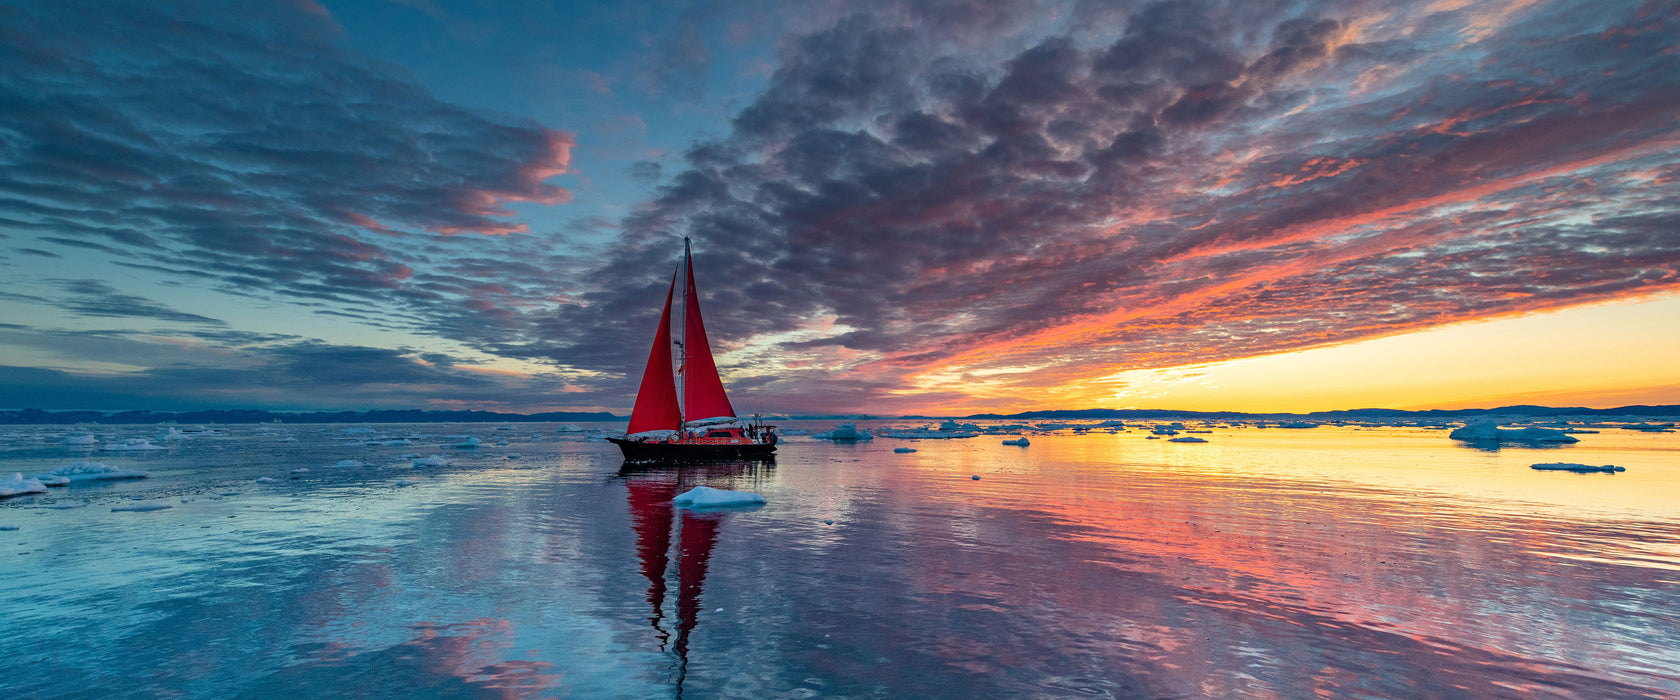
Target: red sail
(703, 395)
(656, 402)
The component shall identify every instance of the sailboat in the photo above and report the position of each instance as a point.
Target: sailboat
(704, 425)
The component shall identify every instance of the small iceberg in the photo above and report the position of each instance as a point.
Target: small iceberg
(51, 480)
(1018, 442)
(401, 483)
(845, 432)
(1187, 438)
(1489, 431)
(432, 461)
(468, 444)
(145, 507)
(904, 450)
(708, 497)
(265, 479)
(570, 428)
(8, 528)
(18, 485)
(80, 441)
(97, 471)
(172, 434)
(1577, 468)
(134, 445)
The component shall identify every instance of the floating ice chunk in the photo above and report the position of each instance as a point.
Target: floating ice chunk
(347, 463)
(143, 507)
(356, 431)
(976, 477)
(1578, 468)
(399, 442)
(51, 480)
(1297, 424)
(8, 528)
(1020, 442)
(288, 438)
(67, 505)
(432, 461)
(172, 434)
(845, 432)
(708, 497)
(134, 445)
(406, 482)
(569, 428)
(467, 444)
(952, 426)
(1152, 437)
(97, 471)
(904, 450)
(1489, 431)
(265, 479)
(81, 440)
(1187, 438)
(410, 455)
(301, 470)
(17, 485)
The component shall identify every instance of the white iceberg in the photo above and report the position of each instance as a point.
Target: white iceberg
(143, 507)
(1019, 442)
(1577, 468)
(845, 432)
(17, 485)
(406, 482)
(708, 497)
(172, 434)
(51, 480)
(134, 445)
(467, 444)
(265, 479)
(97, 471)
(432, 461)
(80, 441)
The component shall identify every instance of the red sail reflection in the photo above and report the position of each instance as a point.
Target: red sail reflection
(650, 490)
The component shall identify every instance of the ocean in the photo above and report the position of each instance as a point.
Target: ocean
(1336, 562)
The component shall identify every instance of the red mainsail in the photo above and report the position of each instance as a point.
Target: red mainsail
(656, 402)
(703, 395)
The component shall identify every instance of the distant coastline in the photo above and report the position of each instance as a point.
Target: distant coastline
(34, 416)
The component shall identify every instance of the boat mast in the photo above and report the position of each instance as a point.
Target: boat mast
(682, 345)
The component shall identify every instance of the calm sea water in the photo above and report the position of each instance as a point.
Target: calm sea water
(1332, 562)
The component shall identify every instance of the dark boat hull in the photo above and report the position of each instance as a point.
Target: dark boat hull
(691, 452)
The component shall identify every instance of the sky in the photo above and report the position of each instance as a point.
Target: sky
(896, 206)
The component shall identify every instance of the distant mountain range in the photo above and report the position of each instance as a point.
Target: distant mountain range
(34, 416)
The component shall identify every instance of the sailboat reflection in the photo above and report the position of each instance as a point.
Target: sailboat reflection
(650, 490)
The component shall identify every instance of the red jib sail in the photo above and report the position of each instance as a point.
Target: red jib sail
(656, 402)
(703, 396)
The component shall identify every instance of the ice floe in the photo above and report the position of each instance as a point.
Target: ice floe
(1578, 468)
(467, 444)
(143, 507)
(17, 485)
(80, 441)
(1489, 431)
(845, 432)
(1018, 442)
(904, 450)
(569, 428)
(134, 445)
(172, 434)
(51, 480)
(432, 461)
(97, 471)
(406, 482)
(1187, 438)
(8, 528)
(708, 497)
(265, 479)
